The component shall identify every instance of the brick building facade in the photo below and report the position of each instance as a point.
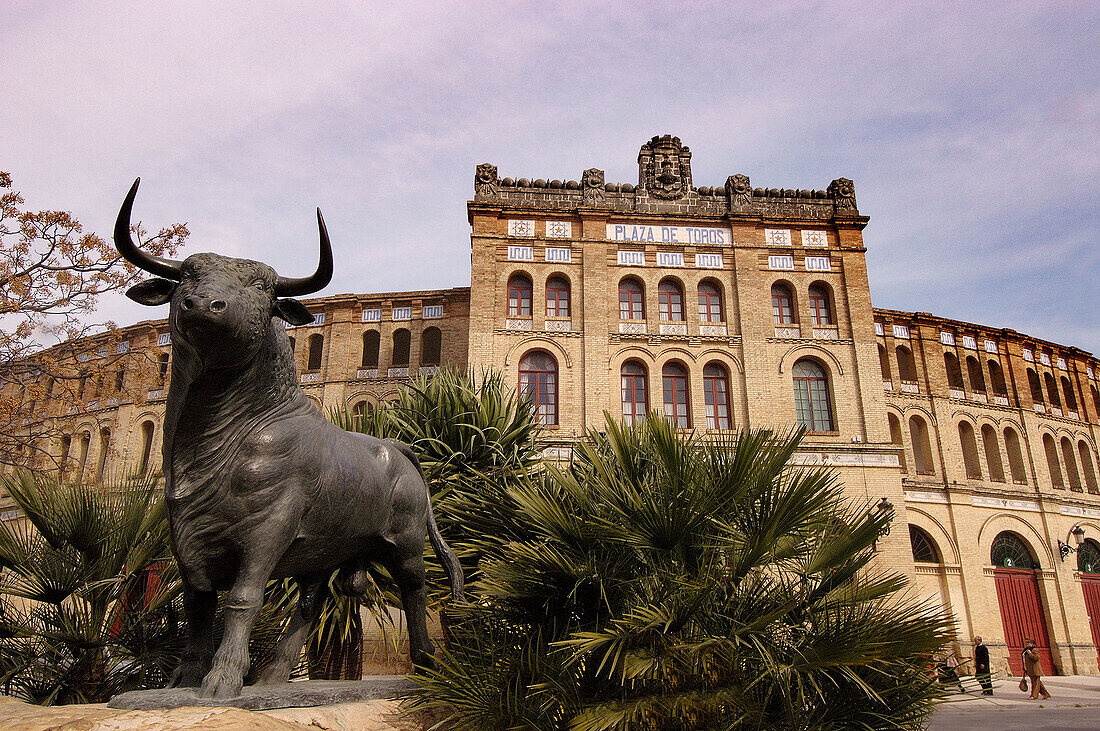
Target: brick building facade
(723, 308)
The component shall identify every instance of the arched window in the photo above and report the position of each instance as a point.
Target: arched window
(907, 366)
(992, 453)
(82, 460)
(1087, 466)
(1088, 557)
(1015, 456)
(292, 343)
(783, 311)
(120, 379)
(631, 305)
(1068, 394)
(162, 366)
(895, 437)
(359, 413)
(104, 449)
(1010, 552)
(675, 382)
(1096, 401)
(821, 312)
(997, 376)
(519, 296)
(974, 371)
(954, 372)
(813, 404)
(670, 301)
(372, 340)
(557, 297)
(431, 346)
(922, 446)
(538, 381)
(710, 303)
(970, 451)
(635, 399)
(316, 346)
(1070, 460)
(1035, 387)
(402, 342)
(1052, 461)
(63, 457)
(884, 363)
(1052, 391)
(716, 394)
(924, 548)
(146, 447)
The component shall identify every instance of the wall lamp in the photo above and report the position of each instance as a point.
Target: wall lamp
(885, 507)
(1064, 549)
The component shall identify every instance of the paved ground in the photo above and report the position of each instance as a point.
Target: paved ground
(1074, 705)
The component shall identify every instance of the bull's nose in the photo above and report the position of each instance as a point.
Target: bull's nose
(217, 305)
(188, 303)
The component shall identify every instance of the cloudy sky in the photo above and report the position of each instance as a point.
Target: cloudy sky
(971, 130)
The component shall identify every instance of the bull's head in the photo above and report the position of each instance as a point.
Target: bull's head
(221, 305)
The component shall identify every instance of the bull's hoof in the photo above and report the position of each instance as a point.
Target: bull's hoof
(187, 675)
(274, 674)
(221, 683)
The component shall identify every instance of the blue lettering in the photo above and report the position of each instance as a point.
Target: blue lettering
(649, 233)
(721, 236)
(620, 232)
(664, 233)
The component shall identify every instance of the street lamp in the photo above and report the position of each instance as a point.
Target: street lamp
(1064, 549)
(885, 507)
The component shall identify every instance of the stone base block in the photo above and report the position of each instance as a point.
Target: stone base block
(301, 694)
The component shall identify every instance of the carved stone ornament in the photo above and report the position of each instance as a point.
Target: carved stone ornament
(664, 168)
(592, 187)
(843, 191)
(739, 190)
(485, 181)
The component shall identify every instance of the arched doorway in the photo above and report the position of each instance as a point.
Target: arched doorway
(1019, 600)
(1088, 564)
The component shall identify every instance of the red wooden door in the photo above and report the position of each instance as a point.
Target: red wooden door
(1022, 616)
(1090, 584)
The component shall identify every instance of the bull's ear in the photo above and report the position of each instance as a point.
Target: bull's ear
(152, 291)
(293, 311)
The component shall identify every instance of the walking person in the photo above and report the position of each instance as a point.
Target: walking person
(981, 666)
(1033, 668)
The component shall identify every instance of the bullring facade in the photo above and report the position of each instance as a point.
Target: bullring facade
(723, 308)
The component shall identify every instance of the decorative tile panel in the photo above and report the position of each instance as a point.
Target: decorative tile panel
(901, 331)
(428, 370)
(668, 234)
(1072, 415)
(93, 404)
(398, 372)
(979, 397)
(521, 253)
(777, 237)
(402, 313)
(632, 328)
(433, 312)
(157, 393)
(632, 258)
(1039, 408)
(102, 352)
(1056, 410)
(521, 228)
(164, 339)
(123, 347)
(367, 373)
(1044, 359)
(780, 262)
(670, 259)
(708, 261)
(969, 342)
(825, 333)
(887, 385)
(1029, 356)
(1000, 400)
(516, 324)
(559, 325)
(558, 255)
(112, 402)
(956, 393)
(788, 332)
(947, 338)
(559, 229)
(1088, 371)
(372, 315)
(879, 329)
(1062, 364)
(674, 328)
(818, 264)
(814, 238)
(910, 387)
(990, 346)
(310, 378)
(714, 330)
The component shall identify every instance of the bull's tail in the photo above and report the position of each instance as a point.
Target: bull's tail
(443, 552)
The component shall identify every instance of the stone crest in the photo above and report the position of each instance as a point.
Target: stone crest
(664, 168)
(485, 181)
(592, 187)
(739, 190)
(843, 192)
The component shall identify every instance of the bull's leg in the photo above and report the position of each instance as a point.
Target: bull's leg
(289, 650)
(199, 609)
(408, 571)
(241, 610)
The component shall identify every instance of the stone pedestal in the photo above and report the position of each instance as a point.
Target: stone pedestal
(262, 697)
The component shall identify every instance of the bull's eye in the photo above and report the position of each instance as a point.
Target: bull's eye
(259, 284)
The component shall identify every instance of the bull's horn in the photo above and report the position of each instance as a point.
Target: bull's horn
(288, 287)
(167, 268)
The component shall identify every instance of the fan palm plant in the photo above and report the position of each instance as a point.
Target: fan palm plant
(665, 582)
